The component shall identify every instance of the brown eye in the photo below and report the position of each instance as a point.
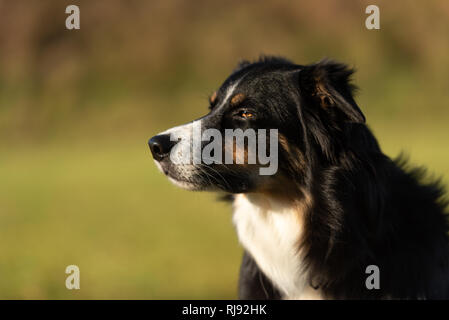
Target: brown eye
(246, 114)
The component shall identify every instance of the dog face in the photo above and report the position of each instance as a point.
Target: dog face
(301, 106)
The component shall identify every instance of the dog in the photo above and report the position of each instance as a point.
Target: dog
(336, 207)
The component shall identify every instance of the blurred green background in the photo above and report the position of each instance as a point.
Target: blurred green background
(77, 183)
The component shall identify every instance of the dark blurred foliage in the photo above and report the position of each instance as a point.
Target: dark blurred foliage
(132, 61)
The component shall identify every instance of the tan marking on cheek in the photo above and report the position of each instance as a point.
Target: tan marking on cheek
(298, 160)
(238, 98)
(283, 142)
(303, 205)
(237, 152)
(294, 155)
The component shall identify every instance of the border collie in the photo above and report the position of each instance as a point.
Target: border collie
(336, 206)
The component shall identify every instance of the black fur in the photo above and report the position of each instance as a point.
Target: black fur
(365, 209)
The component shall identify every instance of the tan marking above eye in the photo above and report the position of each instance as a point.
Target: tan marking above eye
(238, 98)
(213, 97)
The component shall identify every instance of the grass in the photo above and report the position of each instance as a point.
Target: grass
(106, 209)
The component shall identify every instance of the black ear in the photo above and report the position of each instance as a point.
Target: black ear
(328, 85)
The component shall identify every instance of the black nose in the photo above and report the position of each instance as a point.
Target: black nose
(160, 146)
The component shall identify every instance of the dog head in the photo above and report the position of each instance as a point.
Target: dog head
(268, 122)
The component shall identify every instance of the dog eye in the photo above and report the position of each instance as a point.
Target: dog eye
(245, 114)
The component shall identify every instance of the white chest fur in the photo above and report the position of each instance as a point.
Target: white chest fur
(270, 231)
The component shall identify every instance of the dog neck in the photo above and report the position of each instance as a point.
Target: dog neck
(270, 229)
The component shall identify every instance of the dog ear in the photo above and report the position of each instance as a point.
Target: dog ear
(328, 84)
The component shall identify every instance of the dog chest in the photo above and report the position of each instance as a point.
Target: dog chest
(270, 231)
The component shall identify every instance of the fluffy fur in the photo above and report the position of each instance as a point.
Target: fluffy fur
(337, 203)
